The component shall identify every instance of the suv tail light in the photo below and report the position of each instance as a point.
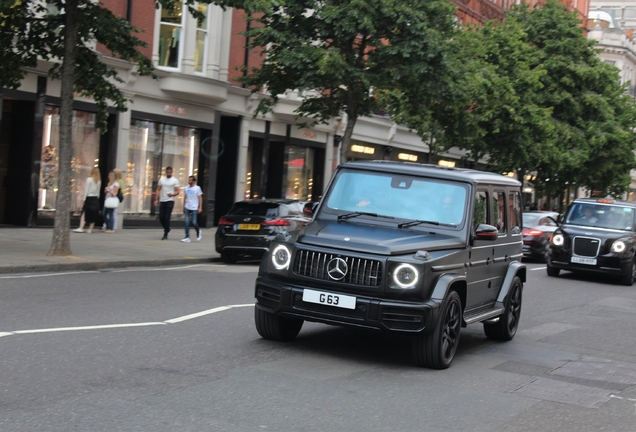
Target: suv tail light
(276, 222)
(531, 232)
(224, 221)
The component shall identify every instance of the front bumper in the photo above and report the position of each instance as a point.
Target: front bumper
(375, 313)
(611, 263)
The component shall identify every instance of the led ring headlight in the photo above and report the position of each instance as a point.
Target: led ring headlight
(405, 276)
(557, 240)
(618, 246)
(281, 257)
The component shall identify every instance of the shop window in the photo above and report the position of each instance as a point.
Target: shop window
(298, 175)
(201, 38)
(84, 157)
(153, 147)
(170, 32)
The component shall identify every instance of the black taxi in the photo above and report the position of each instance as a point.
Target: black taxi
(596, 235)
(403, 248)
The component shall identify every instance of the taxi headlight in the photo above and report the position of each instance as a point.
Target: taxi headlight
(405, 276)
(618, 246)
(557, 240)
(281, 257)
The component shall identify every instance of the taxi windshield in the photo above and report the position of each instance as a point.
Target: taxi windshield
(399, 196)
(601, 216)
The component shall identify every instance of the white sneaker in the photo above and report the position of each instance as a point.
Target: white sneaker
(78, 230)
(186, 240)
(89, 231)
(199, 236)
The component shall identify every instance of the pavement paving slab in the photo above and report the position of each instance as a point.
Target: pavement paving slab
(25, 250)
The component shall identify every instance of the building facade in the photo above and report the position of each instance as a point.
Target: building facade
(195, 118)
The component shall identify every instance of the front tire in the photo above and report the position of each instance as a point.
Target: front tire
(553, 272)
(629, 278)
(274, 327)
(505, 328)
(436, 349)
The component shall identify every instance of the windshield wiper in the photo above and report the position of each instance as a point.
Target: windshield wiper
(358, 213)
(418, 222)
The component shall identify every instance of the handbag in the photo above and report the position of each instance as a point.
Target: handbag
(120, 195)
(111, 202)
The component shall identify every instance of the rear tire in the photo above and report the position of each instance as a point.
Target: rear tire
(274, 327)
(506, 326)
(436, 349)
(229, 258)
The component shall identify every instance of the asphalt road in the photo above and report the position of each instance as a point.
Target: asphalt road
(175, 349)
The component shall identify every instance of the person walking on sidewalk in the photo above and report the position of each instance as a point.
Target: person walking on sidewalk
(192, 205)
(166, 191)
(90, 213)
(111, 202)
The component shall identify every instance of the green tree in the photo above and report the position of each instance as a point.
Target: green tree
(343, 55)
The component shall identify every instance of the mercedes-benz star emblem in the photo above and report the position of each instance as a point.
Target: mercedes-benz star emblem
(337, 268)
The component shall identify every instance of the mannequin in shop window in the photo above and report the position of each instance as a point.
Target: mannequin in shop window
(173, 55)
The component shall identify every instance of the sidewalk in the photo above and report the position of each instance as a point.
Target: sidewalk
(24, 250)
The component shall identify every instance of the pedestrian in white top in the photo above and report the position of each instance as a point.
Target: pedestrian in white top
(192, 205)
(90, 207)
(167, 189)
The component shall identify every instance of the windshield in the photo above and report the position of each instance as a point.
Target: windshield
(601, 216)
(399, 196)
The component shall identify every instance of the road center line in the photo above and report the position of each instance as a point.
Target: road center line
(111, 326)
(538, 268)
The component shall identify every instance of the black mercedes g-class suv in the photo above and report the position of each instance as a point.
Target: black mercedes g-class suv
(596, 235)
(401, 247)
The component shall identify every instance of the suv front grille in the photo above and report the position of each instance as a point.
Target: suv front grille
(360, 271)
(585, 246)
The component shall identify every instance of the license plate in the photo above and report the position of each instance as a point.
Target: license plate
(337, 300)
(581, 260)
(249, 227)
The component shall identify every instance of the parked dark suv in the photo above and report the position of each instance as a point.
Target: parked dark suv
(249, 226)
(596, 235)
(404, 248)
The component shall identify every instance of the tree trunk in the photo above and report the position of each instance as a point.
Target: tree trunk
(60, 244)
(345, 145)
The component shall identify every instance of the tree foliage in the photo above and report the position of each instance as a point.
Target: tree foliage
(343, 55)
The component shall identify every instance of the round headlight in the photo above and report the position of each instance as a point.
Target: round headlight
(405, 276)
(618, 246)
(281, 257)
(557, 240)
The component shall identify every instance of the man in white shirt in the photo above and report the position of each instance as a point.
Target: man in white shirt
(192, 205)
(167, 189)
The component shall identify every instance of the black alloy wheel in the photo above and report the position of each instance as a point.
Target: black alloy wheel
(505, 328)
(436, 349)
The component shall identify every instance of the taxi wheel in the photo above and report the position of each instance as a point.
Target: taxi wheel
(274, 327)
(436, 349)
(629, 278)
(554, 272)
(505, 328)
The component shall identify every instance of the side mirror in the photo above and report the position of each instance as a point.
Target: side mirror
(309, 208)
(486, 232)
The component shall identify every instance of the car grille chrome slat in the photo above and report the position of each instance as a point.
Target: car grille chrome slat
(361, 271)
(586, 246)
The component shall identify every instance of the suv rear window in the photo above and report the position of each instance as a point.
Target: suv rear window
(255, 209)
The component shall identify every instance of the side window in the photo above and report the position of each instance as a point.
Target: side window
(480, 213)
(514, 213)
(498, 211)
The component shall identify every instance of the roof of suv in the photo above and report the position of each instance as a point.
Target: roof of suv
(412, 168)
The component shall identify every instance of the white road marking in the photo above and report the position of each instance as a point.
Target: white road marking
(538, 268)
(111, 326)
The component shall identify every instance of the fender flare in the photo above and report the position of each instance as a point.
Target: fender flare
(444, 283)
(514, 269)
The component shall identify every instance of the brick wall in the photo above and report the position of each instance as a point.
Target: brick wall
(143, 17)
(237, 48)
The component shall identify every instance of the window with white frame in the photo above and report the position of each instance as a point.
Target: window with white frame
(201, 37)
(170, 35)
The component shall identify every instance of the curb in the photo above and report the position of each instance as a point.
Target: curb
(103, 265)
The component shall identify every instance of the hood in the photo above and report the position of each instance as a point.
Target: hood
(376, 239)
